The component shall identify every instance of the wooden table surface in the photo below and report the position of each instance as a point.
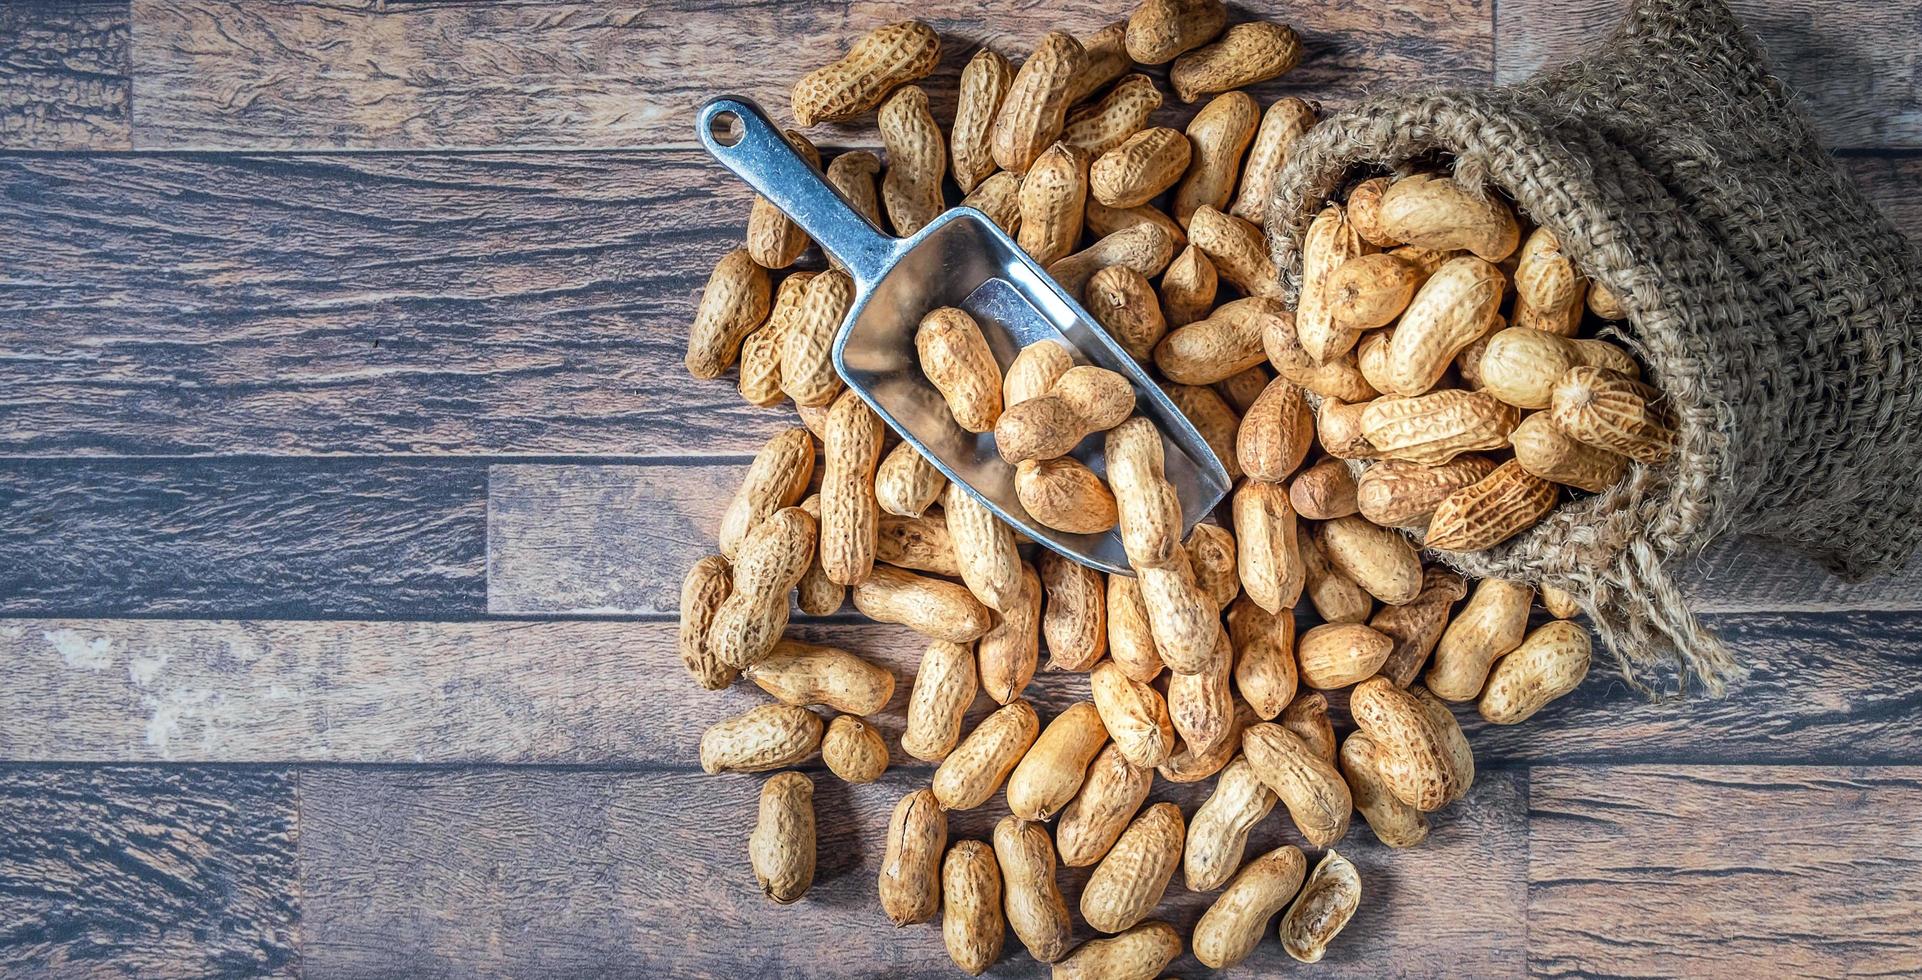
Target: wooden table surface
(348, 470)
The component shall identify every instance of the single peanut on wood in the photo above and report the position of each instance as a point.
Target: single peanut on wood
(803, 673)
(910, 880)
(1159, 30)
(1036, 911)
(884, 58)
(1137, 954)
(972, 924)
(706, 586)
(782, 845)
(735, 302)
(772, 561)
(854, 750)
(1232, 927)
(772, 736)
(1245, 54)
(1322, 909)
(944, 687)
(1130, 880)
(933, 607)
(1113, 790)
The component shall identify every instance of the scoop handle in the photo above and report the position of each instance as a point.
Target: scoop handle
(763, 157)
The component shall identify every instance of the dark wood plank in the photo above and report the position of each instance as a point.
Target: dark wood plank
(232, 75)
(148, 872)
(64, 81)
(1724, 872)
(1854, 65)
(243, 537)
(646, 874)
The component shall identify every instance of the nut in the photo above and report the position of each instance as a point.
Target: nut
(955, 357)
(816, 594)
(1264, 643)
(1219, 832)
(1521, 366)
(1009, 653)
(1397, 493)
(1329, 243)
(1435, 428)
(1240, 390)
(1269, 561)
(998, 197)
(1416, 626)
(854, 750)
(1212, 418)
(944, 687)
(1335, 655)
(1138, 170)
(919, 543)
(1371, 290)
(772, 736)
(782, 845)
(910, 883)
(1052, 196)
(1036, 911)
(777, 478)
(1379, 560)
(1610, 410)
(1559, 603)
(1124, 303)
(1219, 134)
(976, 768)
(1150, 515)
(907, 484)
(1130, 639)
(1035, 108)
(853, 173)
(1284, 122)
(1502, 504)
(1159, 30)
(1103, 221)
(1225, 344)
(807, 364)
(930, 606)
(1545, 278)
(1194, 763)
(882, 59)
(849, 513)
(1307, 716)
(1075, 617)
(1231, 928)
(1457, 306)
(1064, 494)
(1110, 795)
(1050, 773)
(1034, 371)
(1144, 247)
(1544, 450)
(1237, 250)
(772, 561)
(1120, 114)
(1322, 909)
(1211, 551)
(760, 365)
(1459, 758)
(1325, 491)
(1188, 288)
(1364, 213)
(706, 586)
(1276, 433)
(1184, 619)
(1131, 878)
(1134, 714)
(1395, 823)
(1413, 761)
(984, 83)
(1106, 60)
(1202, 704)
(971, 921)
(1245, 54)
(1307, 783)
(1490, 625)
(734, 303)
(1550, 663)
(1438, 213)
(1085, 400)
(1339, 378)
(804, 673)
(1138, 954)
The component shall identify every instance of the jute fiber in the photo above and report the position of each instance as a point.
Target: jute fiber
(1771, 303)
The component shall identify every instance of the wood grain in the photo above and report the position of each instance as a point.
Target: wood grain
(1855, 67)
(224, 74)
(646, 874)
(148, 872)
(1724, 872)
(64, 79)
(243, 537)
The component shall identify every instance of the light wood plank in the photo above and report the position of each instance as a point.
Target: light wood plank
(1856, 66)
(646, 874)
(64, 75)
(359, 74)
(1725, 872)
(241, 537)
(148, 872)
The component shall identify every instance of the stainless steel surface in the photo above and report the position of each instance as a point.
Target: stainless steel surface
(960, 259)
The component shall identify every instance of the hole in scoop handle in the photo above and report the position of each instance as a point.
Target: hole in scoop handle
(763, 158)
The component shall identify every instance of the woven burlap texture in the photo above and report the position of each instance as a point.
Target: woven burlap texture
(1772, 304)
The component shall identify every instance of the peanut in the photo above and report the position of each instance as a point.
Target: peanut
(1106, 59)
(955, 357)
(1268, 560)
(1137, 954)
(734, 303)
(1202, 704)
(1490, 625)
(882, 59)
(816, 594)
(998, 197)
(1377, 559)
(917, 160)
(1364, 214)
(1144, 247)
(1416, 626)
(1245, 54)
(1184, 619)
(777, 478)
(1371, 354)
(1144, 165)
(1521, 366)
(1307, 717)
(1159, 30)
(976, 768)
(854, 750)
(782, 845)
(1135, 715)
(1307, 783)
(1264, 643)
(1329, 243)
(1603, 302)
(1220, 134)
(774, 241)
(1211, 550)
(1397, 493)
(1545, 277)
(1435, 428)
(1131, 878)
(1221, 346)
(849, 513)
(1325, 491)
(1335, 655)
(1614, 412)
(772, 736)
(706, 586)
(984, 83)
(1109, 797)
(1130, 639)
(1231, 928)
(1034, 371)
(1120, 114)
(1237, 250)
(807, 364)
(944, 686)
(1499, 506)
(1438, 213)
(1559, 603)
(1323, 908)
(910, 881)
(1370, 291)
(1192, 763)
(1064, 494)
(1551, 662)
(1395, 823)
(972, 924)
(1242, 389)
(1124, 303)
(984, 548)
(930, 606)
(1051, 772)
(907, 484)
(1336, 597)
(1545, 451)
(1035, 108)
(1036, 911)
(1456, 753)
(803, 674)
(1075, 618)
(1103, 221)
(1339, 378)
(1009, 653)
(853, 174)
(1565, 322)
(1218, 835)
(918, 543)
(1188, 287)
(1284, 123)
(1468, 364)
(1053, 197)
(1414, 759)
(1457, 306)
(1212, 418)
(760, 365)
(772, 561)
(1083, 401)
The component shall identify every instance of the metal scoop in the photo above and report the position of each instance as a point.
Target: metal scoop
(964, 260)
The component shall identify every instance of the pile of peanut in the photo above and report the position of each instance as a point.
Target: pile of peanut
(1387, 406)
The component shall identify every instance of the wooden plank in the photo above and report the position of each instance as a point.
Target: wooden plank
(1856, 67)
(646, 874)
(1725, 872)
(64, 81)
(148, 872)
(224, 74)
(1742, 575)
(242, 537)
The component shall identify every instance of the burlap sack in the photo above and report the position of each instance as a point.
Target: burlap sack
(1775, 307)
